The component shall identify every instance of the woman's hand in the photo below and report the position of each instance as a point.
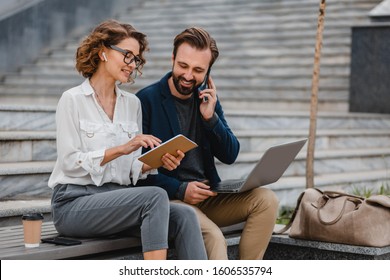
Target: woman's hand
(140, 140)
(171, 162)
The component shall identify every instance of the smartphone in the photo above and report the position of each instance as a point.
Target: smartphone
(204, 84)
(61, 241)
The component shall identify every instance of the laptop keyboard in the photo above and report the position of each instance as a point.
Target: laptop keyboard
(228, 185)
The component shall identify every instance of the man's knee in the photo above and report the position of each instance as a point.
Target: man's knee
(266, 197)
(213, 233)
(215, 244)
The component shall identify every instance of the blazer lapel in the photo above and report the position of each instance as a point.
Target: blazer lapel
(170, 111)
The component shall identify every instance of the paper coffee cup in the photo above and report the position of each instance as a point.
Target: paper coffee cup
(32, 226)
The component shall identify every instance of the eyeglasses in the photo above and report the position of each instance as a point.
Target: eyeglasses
(129, 57)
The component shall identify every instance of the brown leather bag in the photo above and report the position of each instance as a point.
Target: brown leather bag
(341, 218)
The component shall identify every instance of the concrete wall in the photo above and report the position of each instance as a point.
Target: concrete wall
(370, 69)
(29, 27)
(381, 12)
(370, 63)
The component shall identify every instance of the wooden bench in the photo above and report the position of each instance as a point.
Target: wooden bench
(12, 245)
(281, 247)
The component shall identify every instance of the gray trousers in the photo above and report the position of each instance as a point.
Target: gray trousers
(90, 211)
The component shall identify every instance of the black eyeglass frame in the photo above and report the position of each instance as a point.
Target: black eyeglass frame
(138, 61)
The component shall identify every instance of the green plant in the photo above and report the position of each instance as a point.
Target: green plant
(362, 191)
(285, 214)
(384, 189)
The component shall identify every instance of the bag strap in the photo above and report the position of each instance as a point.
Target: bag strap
(352, 199)
(286, 227)
(334, 194)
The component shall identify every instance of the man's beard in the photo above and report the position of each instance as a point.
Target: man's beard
(183, 90)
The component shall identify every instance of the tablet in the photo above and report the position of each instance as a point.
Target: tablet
(179, 142)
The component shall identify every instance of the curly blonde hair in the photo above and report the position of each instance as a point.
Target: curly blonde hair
(109, 32)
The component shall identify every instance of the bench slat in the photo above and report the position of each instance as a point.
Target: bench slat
(51, 251)
(12, 245)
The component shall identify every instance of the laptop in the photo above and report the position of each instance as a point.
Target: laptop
(268, 169)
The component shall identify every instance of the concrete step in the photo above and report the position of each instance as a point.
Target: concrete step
(27, 117)
(38, 79)
(259, 23)
(23, 180)
(246, 35)
(22, 146)
(11, 211)
(274, 11)
(26, 146)
(266, 63)
(156, 59)
(281, 50)
(254, 120)
(232, 97)
(270, 28)
(163, 43)
(302, 82)
(287, 189)
(333, 139)
(265, 56)
(154, 70)
(43, 118)
(250, 87)
(326, 162)
(250, 43)
(254, 5)
(283, 104)
(33, 90)
(9, 99)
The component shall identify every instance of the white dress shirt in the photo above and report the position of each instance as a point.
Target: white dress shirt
(84, 132)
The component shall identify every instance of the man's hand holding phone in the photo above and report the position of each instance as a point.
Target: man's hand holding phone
(204, 85)
(207, 108)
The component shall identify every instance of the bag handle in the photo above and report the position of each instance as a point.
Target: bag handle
(334, 194)
(286, 227)
(325, 198)
(356, 199)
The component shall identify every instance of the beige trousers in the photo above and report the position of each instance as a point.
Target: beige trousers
(258, 208)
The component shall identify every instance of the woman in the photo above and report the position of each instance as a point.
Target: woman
(99, 139)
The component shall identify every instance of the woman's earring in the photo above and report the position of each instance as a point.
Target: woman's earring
(104, 56)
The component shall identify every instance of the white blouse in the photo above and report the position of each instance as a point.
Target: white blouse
(84, 132)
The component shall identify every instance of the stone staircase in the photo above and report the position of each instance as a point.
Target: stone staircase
(263, 78)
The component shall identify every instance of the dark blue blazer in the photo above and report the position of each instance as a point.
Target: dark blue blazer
(160, 119)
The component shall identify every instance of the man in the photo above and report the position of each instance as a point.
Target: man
(173, 106)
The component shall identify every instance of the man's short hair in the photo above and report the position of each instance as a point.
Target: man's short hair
(198, 38)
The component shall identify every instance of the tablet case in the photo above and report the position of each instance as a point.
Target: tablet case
(179, 142)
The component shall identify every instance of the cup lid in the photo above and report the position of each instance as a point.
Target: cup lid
(32, 216)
